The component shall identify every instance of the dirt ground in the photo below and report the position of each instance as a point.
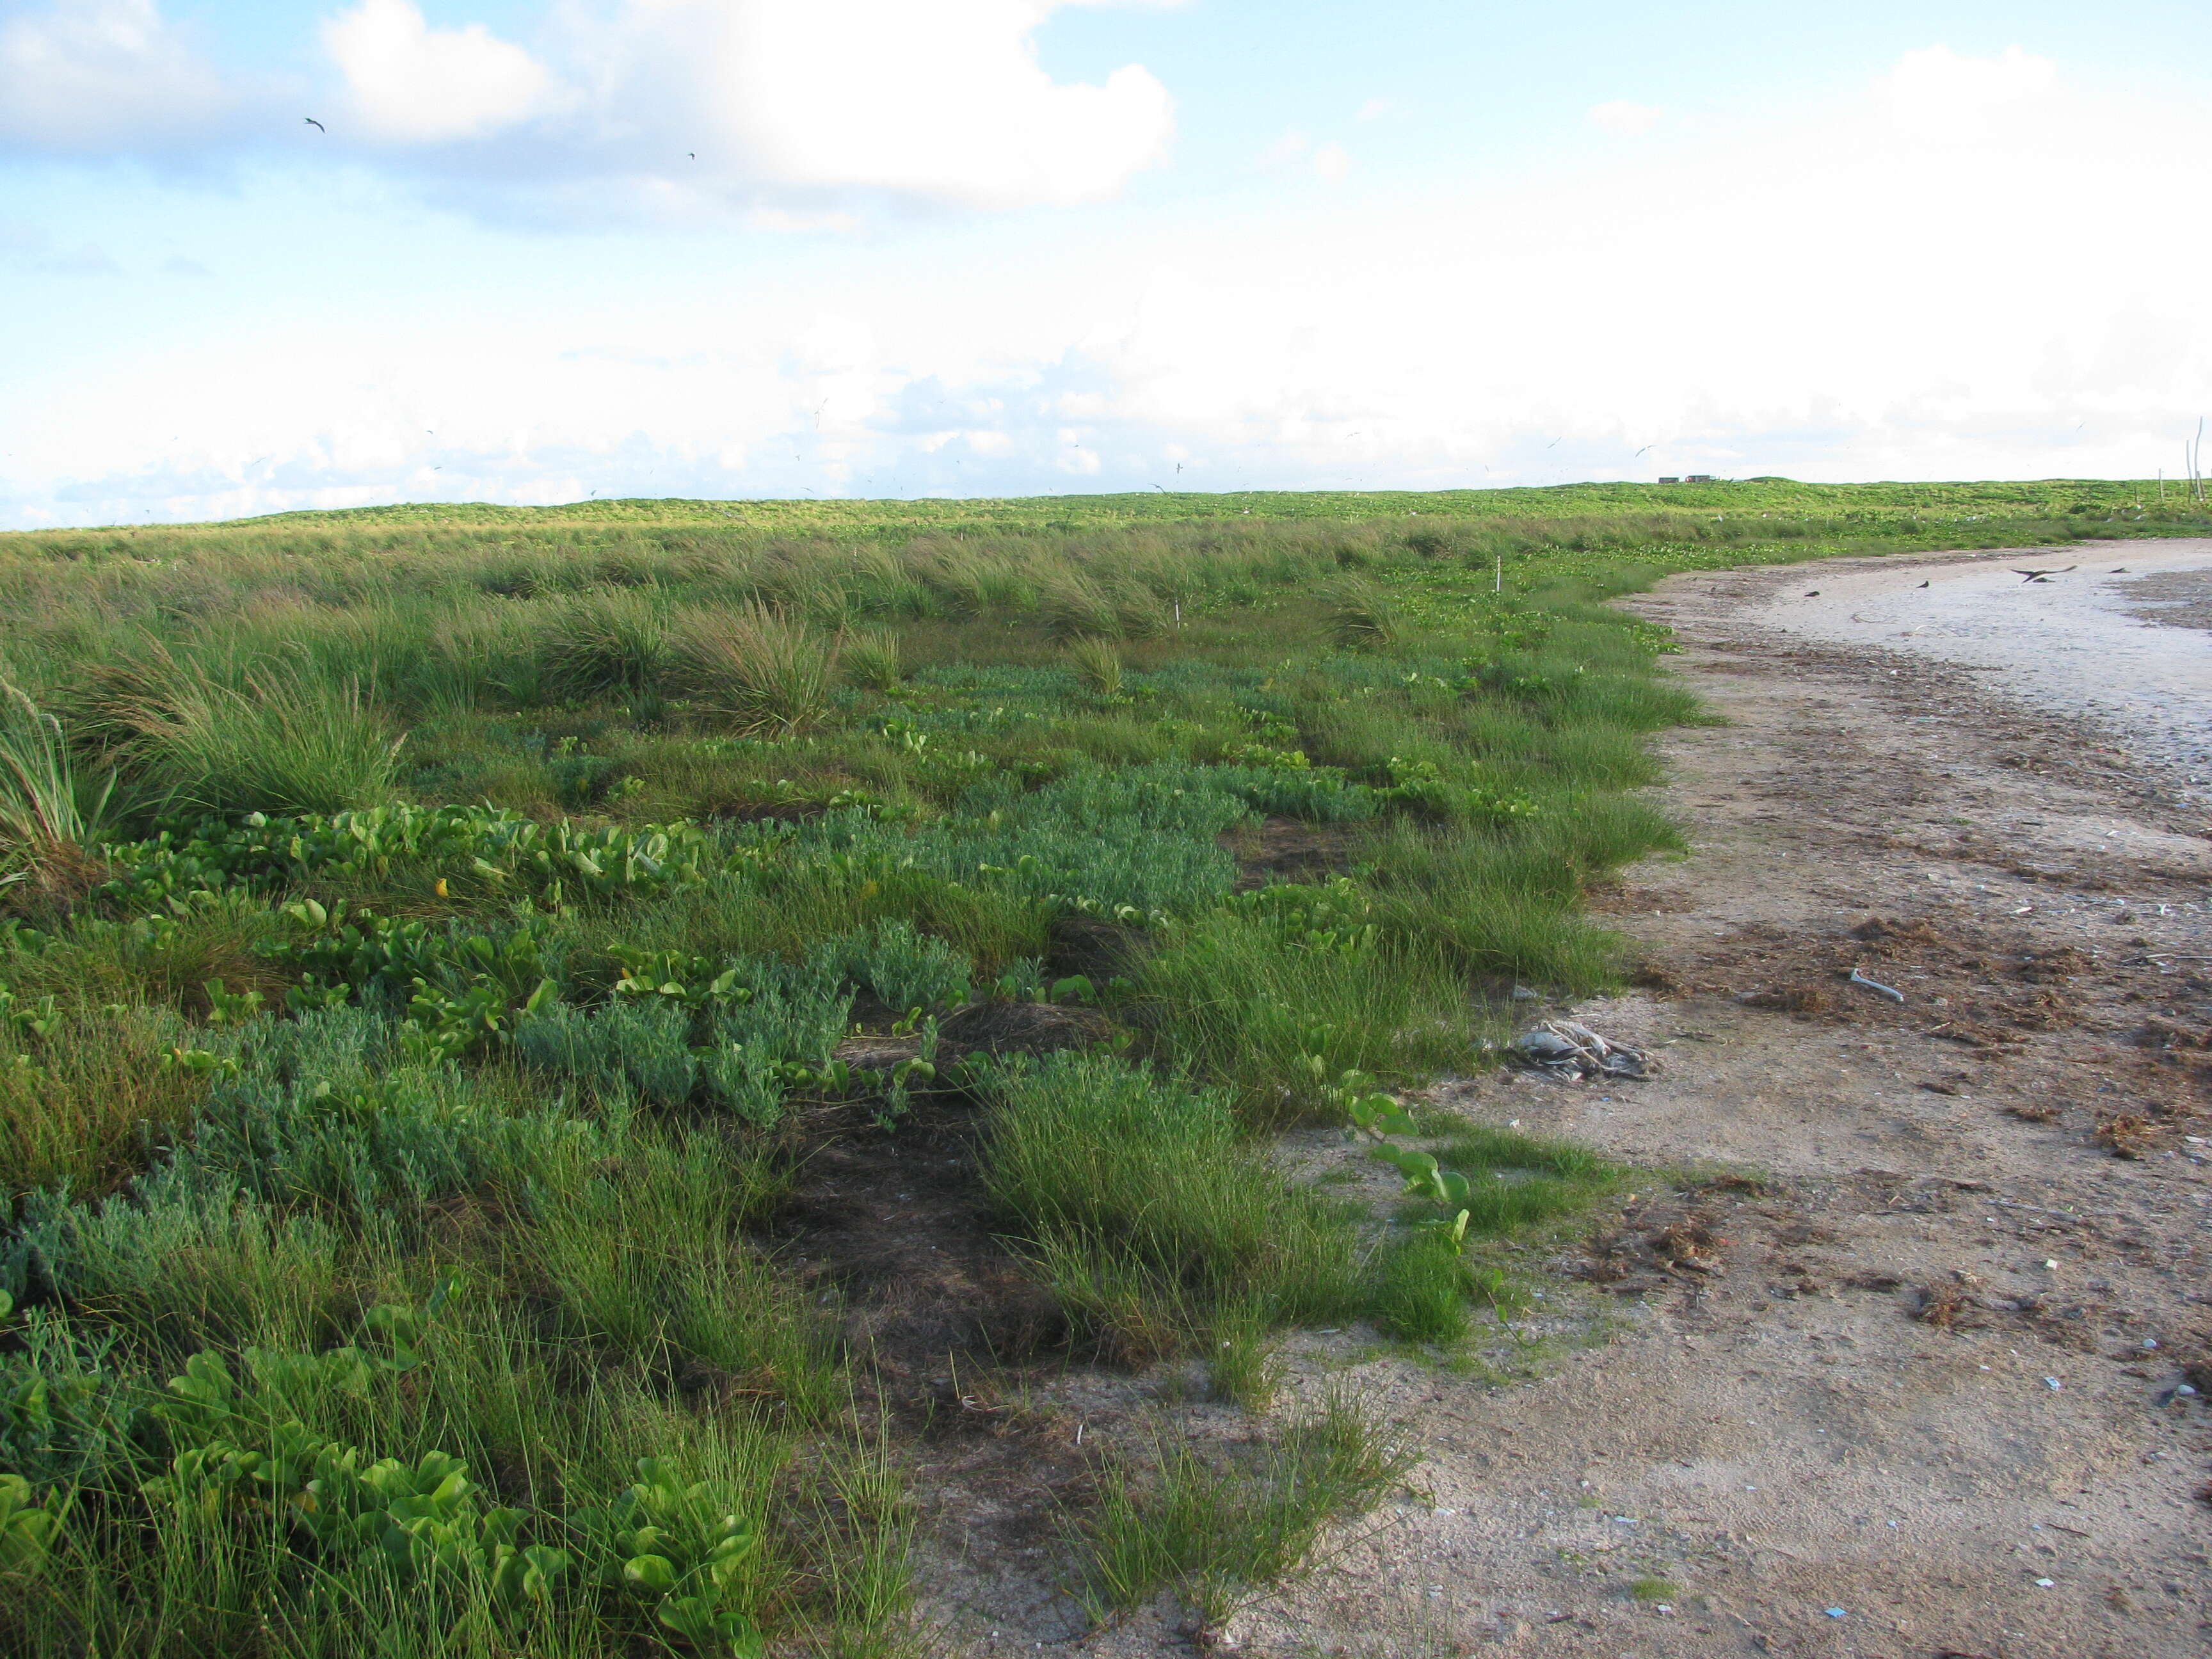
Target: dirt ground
(1901, 1359)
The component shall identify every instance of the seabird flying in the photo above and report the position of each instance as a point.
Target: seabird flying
(2041, 576)
(318, 125)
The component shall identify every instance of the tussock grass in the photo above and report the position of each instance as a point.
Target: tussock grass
(871, 658)
(613, 644)
(1360, 615)
(1096, 664)
(279, 740)
(46, 807)
(760, 670)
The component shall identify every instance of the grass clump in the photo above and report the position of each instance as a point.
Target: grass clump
(1361, 615)
(1269, 1005)
(1098, 664)
(1214, 1529)
(282, 739)
(756, 669)
(600, 645)
(1148, 1216)
(46, 805)
(871, 659)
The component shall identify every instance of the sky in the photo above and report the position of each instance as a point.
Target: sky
(261, 255)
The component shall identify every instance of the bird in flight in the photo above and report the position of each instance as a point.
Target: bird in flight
(1645, 450)
(318, 125)
(2041, 576)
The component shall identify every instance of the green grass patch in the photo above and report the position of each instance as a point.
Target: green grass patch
(1215, 1526)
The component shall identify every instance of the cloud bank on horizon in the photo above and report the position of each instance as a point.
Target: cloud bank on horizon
(757, 247)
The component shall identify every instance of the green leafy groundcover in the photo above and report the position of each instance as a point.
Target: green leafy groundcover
(432, 939)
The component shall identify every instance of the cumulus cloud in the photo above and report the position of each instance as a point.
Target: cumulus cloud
(1624, 119)
(408, 83)
(776, 111)
(943, 100)
(103, 77)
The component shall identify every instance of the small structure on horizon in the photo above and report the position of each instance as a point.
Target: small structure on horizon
(1670, 481)
(1699, 477)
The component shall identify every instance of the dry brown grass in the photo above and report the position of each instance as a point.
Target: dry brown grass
(2123, 1135)
(1944, 1306)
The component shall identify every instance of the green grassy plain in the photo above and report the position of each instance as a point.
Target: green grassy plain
(436, 940)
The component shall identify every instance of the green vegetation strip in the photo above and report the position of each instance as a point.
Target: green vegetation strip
(435, 941)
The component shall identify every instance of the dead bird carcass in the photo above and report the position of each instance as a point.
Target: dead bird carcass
(1568, 1049)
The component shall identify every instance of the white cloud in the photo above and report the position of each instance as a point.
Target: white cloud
(414, 84)
(943, 100)
(102, 77)
(1624, 119)
(1332, 162)
(1938, 93)
(1374, 110)
(774, 111)
(1286, 149)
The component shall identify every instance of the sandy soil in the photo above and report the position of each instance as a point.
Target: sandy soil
(1910, 1388)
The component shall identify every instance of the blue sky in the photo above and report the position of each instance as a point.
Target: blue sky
(752, 248)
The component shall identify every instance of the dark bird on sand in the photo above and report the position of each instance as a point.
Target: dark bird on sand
(318, 125)
(1811, 593)
(1924, 583)
(2041, 576)
(2119, 570)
